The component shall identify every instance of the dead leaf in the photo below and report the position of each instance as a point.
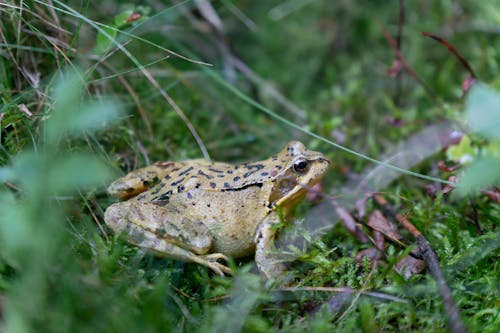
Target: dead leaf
(468, 82)
(378, 222)
(395, 69)
(432, 190)
(493, 194)
(408, 266)
(379, 239)
(350, 224)
(447, 188)
(133, 17)
(443, 167)
(372, 253)
(360, 206)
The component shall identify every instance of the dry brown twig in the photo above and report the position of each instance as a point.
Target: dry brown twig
(472, 78)
(399, 56)
(430, 258)
(96, 219)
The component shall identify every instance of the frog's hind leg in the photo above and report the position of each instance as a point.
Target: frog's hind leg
(140, 180)
(163, 247)
(165, 231)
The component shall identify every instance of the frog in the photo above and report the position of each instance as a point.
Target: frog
(205, 213)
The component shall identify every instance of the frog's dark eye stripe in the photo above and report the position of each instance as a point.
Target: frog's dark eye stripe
(301, 166)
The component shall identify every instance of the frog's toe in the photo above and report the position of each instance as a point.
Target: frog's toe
(215, 256)
(211, 262)
(219, 268)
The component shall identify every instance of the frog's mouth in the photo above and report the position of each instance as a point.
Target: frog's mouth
(290, 189)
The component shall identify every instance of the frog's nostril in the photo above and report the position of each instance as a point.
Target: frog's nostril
(323, 160)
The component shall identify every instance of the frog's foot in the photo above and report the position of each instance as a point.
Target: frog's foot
(212, 263)
(215, 256)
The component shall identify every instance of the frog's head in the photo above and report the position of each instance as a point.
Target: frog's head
(302, 169)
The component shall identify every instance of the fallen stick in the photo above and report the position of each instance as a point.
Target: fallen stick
(454, 322)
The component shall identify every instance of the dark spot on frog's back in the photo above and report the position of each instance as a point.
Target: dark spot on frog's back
(201, 173)
(160, 203)
(242, 187)
(158, 188)
(186, 171)
(162, 199)
(213, 185)
(215, 170)
(177, 182)
(246, 175)
(235, 179)
(252, 169)
(146, 182)
(160, 232)
(180, 188)
(255, 167)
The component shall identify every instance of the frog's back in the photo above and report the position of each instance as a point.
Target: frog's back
(198, 174)
(227, 199)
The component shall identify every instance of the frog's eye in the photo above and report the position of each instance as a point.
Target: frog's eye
(301, 165)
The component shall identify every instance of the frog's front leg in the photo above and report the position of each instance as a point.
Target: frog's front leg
(140, 180)
(265, 257)
(166, 232)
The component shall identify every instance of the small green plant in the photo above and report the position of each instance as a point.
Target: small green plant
(46, 176)
(482, 159)
(125, 19)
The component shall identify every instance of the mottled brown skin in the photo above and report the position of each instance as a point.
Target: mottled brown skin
(200, 212)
